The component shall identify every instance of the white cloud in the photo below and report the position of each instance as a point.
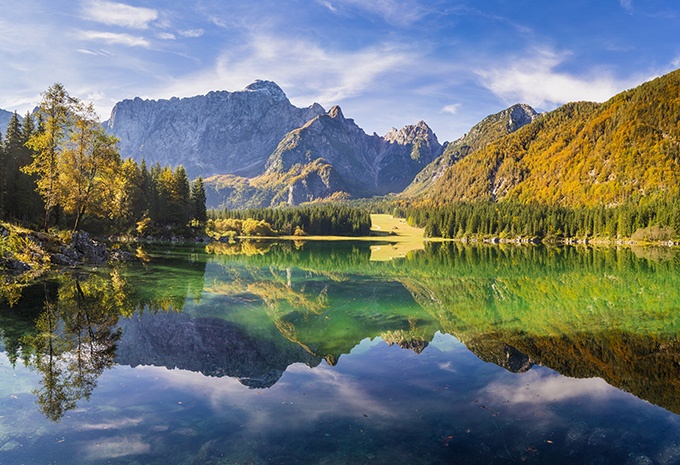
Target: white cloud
(544, 387)
(328, 5)
(113, 38)
(317, 74)
(536, 81)
(192, 33)
(166, 36)
(452, 109)
(119, 14)
(86, 52)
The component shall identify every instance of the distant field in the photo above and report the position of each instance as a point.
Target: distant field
(401, 237)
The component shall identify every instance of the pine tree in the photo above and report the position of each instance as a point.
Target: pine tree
(198, 200)
(180, 197)
(26, 198)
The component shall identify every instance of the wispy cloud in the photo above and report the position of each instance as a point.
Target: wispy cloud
(192, 33)
(113, 38)
(166, 36)
(451, 109)
(627, 5)
(535, 80)
(398, 12)
(118, 14)
(314, 73)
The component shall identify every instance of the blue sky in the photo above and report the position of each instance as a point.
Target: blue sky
(387, 63)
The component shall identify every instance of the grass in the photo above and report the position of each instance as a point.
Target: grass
(402, 237)
(399, 238)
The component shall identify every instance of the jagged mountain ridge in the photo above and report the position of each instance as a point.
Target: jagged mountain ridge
(210, 346)
(363, 165)
(331, 157)
(490, 129)
(218, 133)
(256, 149)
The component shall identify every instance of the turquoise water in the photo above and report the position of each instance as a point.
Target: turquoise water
(315, 355)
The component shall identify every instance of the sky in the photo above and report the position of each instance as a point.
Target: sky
(387, 63)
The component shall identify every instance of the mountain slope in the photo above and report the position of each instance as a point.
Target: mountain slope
(627, 148)
(364, 165)
(331, 157)
(490, 129)
(217, 133)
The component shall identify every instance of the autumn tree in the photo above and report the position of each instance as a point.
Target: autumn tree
(89, 164)
(56, 116)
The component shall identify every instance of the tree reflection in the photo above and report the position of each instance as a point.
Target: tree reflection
(75, 339)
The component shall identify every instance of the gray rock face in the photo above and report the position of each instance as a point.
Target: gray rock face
(332, 154)
(519, 115)
(5, 116)
(218, 133)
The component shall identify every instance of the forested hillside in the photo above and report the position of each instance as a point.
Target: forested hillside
(489, 130)
(582, 154)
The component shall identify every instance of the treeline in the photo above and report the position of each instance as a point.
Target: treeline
(321, 220)
(656, 221)
(59, 168)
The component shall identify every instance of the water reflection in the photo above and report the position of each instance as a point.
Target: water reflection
(254, 312)
(74, 340)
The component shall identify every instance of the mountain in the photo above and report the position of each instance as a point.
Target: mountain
(5, 116)
(210, 346)
(254, 148)
(490, 129)
(626, 149)
(218, 133)
(331, 157)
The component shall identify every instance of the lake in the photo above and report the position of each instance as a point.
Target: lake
(312, 353)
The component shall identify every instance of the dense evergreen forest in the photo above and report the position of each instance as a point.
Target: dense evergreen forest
(60, 169)
(656, 221)
(330, 219)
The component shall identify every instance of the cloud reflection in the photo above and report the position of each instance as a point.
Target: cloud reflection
(117, 447)
(541, 386)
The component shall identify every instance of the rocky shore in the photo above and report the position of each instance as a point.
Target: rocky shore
(30, 252)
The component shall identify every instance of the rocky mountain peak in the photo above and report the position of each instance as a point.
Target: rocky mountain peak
(411, 133)
(218, 133)
(520, 115)
(267, 87)
(336, 113)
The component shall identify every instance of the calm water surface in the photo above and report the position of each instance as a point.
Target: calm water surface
(312, 354)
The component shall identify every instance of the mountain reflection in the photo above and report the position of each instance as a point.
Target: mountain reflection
(249, 311)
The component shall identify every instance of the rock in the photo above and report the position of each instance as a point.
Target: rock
(16, 266)
(218, 133)
(89, 250)
(62, 260)
(118, 255)
(331, 154)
